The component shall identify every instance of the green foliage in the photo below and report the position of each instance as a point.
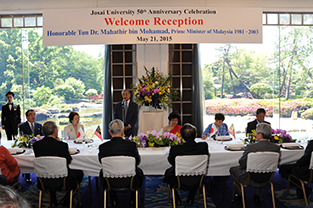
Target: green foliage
(261, 90)
(208, 84)
(91, 92)
(66, 91)
(42, 95)
(78, 86)
(308, 114)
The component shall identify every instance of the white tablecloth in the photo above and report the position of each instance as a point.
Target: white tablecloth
(153, 160)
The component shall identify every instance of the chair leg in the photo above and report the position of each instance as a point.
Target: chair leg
(78, 193)
(40, 195)
(233, 196)
(204, 196)
(243, 196)
(198, 195)
(105, 197)
(173, 194)
(168, 193)
(273, 196)
(137, 199)
(89, 186)
(288, 186)
(304, 193)
(71, 199)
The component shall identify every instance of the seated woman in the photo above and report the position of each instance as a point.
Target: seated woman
(71, 130)
(8, 165)
(218, 128)
(173, 127)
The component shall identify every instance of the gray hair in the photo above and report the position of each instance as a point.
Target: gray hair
(48, 128)
(264, 129)
(116, 126)
(11, 198)
(127, 91)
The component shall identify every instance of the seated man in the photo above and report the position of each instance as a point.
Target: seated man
(30, 127)
(190, 147)
(263, 133)
(51, 145)
(260, 115)
(120, 147)
(300, 169)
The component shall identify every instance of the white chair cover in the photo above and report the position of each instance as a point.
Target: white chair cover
(50, 167)
(191, 165)
(311, 162)
(262, 162)
(118, 166)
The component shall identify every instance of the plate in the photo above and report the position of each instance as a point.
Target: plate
(91, 141)
(224, 140)
(75, 153)
(293, 147)
(234, 149)
(18, 153)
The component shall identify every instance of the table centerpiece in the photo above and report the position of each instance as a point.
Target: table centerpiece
(26, 141)
(154, 90)
(156, 139)
(278, 136)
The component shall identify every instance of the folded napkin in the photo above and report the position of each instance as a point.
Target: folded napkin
(292, 144)
(235, 146)
(222, 138)
(79, 140)
(15, 150)
(72, 150)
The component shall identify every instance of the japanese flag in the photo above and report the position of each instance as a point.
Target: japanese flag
(81, 133)
(213, 131)
(231, 130)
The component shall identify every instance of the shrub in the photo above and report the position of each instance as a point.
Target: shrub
(261, 90)
(308, 114)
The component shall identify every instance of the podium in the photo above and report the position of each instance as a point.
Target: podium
(151, 120)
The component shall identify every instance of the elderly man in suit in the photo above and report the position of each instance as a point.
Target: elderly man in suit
(127, 111)
(260, 115)
(30, 127)
(51, 145)
(263, 133)
(11, 116)
(300, 169)
(117, 146)
(190, 147)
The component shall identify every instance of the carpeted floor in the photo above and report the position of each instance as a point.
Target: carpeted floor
(154, 195)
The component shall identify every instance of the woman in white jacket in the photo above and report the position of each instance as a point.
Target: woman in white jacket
(71, 130)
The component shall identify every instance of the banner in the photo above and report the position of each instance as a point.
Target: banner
(147, 25)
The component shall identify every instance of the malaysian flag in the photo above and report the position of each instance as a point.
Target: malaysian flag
(98, 133)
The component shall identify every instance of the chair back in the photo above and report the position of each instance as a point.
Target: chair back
(262, 162)
(50, 167)
(191, 165)
(118, 166)
(261, 167)
(311, 162)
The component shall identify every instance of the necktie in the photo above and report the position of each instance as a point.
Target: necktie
(33, 128)
(126, 108)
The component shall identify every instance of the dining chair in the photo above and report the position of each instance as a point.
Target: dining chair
(118, 173)
(51, 174)
(261, 167)
(190, 171)
(303, 182)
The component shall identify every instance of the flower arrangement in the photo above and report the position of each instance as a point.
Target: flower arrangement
(26, 141)
(156, 139)
(154, 89)
(278, 136)
(250, 138)
(281, 136)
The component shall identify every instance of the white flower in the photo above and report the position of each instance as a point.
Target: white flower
(156, 82)
(152, 85)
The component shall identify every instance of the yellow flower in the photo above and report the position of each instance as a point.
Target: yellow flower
(135, 92)
(169, 86)
(150, 133)
(160, 93)
(253, 138)
(244, 141)
(168, 91)
(276, 138)
(38, 135)
(152, 93)
(151, 144)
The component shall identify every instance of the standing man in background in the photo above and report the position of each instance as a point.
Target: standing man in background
(127, 111)
(11, 116)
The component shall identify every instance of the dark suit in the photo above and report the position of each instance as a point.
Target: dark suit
(187, 148)
(252, 125)
(26, 129)
(49, 146)
(301, 168)
(131, 118)
(240, 171)
(117, 146)
(10, 119)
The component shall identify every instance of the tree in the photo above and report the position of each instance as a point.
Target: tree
(42, 95)
(65, 91)
(78, 87)
(261, 90)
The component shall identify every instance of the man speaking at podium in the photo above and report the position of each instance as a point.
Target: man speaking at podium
(127, 111)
